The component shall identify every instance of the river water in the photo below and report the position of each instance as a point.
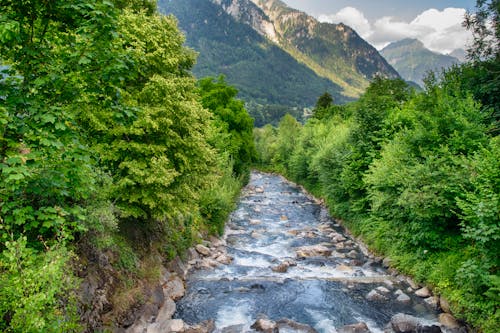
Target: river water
(274, 219)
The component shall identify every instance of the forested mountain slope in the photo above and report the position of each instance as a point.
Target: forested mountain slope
(270, 80)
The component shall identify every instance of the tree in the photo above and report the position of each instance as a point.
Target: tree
(485, 26)
(233, 122)
(322, 106)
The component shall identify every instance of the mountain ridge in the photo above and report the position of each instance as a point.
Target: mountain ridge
(413, 60)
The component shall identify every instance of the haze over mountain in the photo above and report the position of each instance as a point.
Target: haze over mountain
(413, 61)
(279, 58)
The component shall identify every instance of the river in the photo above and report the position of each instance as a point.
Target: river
(273, 274)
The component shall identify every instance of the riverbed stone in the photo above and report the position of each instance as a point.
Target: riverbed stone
(443, 303)
(202, 249)
(433, 302)
(313, 251)
(174, 288)
(224, 259)
(170, 326)
(423, 292)
(294, 327)
(352, 254)
(354, 328)
(166, 311)
(403, 323)
(375, 296)
(448, 321)
(207, 326)
(281, 268)
(265, 325)
(404, 299)
(383, 290)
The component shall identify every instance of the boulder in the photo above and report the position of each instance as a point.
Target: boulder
(170, 326)
(386, 262)
(403, 298)
(224, 259)
(207, 326)
(166, 311)
(174, 288)
(375, 296)
(265, 325)
(403, 323)
(234, 329)
(448, 321)
(382, 290)
(255, 222)
(423, 292)
(432, 302)
(445, 306)
(203, 250)
(291, 326)
(354, 328)
(281, 268)
(352, 254)
(313, 251)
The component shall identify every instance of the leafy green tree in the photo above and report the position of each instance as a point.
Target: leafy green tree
(233, 122)
(323, 103)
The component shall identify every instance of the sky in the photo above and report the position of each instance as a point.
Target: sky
(437, 23)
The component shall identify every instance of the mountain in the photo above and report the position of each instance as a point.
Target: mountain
(413, 61)
(280, 59)
(269, 80)
(460, 54)
(334, 51)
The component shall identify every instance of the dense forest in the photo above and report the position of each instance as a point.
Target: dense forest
(107, 144)
(414, 174)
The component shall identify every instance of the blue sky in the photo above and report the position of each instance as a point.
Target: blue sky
(436, 23)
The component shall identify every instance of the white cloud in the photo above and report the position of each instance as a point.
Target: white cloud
(351, 17)
(440, 31)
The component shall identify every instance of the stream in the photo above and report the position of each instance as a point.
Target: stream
(272, 237)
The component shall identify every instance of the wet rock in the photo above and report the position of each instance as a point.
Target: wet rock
(171, 326)
(207, 263)
(224, 259)
(432, 302)
(203, 250)
(443, 303)
(354, 328)
(313, 251)
(174, 288)
(375, 296)
(344, 268)
(255, 222)
(166, 311)
(207, 326)
(234, 329)
(412, 284)
(382, 290)
(423, 292)
(448, 321)
(259, 190)
(177, 266)
(255, 235)
(294, 327)
(281, 268)
(404, 299)
(265, 325)
(284, 218)
(352, 254)
(290, 262)
(403, 323)
(338, 238)
(386, 262)
(216, 242)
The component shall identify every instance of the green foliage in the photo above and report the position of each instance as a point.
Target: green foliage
(36, 291)
(233, 122)
(416, 175)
